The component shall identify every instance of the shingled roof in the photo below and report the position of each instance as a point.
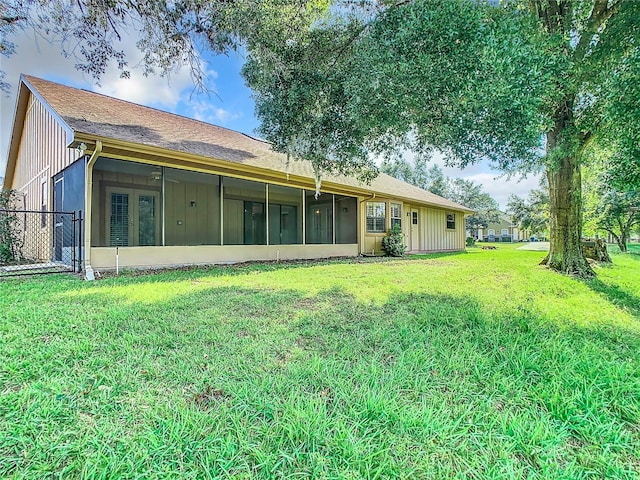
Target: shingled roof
(107, 117)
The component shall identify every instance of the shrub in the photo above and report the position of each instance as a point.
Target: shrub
(471, 242)
(393, 243)
(10, 244)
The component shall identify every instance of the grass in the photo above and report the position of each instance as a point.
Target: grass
(472, 365)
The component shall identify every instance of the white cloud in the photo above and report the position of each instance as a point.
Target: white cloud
(35, 56)
(207, 112)
(501, 187)
(495, 183)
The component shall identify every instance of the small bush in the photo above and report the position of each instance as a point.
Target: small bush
(10, 242)
(471, 242)
(393, 243)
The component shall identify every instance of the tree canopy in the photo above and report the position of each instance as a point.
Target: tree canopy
(531, 214)
(523, 84)
(610, 206)
(169, 34)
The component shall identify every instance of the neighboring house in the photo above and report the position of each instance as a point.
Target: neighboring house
(168, 190)
(502, 231)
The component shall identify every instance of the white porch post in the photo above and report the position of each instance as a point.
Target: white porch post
(88, 271)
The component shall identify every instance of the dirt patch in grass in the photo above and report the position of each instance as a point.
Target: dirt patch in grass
(209, 397)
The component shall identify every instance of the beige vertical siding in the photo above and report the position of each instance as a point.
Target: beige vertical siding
(435, 236)
(432, 223)
(42, 153)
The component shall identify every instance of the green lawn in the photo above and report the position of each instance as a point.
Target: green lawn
(472, 365)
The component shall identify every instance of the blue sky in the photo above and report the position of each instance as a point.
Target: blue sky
(229, 103)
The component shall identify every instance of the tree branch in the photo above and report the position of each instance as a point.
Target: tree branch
(12, 20)
(600, 14)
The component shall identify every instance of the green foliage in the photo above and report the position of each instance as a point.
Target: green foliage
(472, 195)
(531, 214)
(10, 238)
(609, 208)
(476, 80)
(341, 82)
(170, 34)
(378, 368)
(393, 242)
(417, 173)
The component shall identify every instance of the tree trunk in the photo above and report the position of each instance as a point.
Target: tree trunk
(565, 212)
(622, 241)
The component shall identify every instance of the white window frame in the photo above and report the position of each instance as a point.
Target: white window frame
(395, 212)
(379, 222)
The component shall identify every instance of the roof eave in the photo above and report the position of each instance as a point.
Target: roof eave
(166, 156)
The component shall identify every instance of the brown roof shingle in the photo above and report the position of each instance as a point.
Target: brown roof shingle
(96, 114)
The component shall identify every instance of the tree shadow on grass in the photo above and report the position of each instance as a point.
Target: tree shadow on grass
(616, 295)
(415, 384)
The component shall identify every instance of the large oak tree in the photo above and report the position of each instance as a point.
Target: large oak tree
(524, 84)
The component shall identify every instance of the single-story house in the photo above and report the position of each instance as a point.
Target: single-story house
(169, 190)
(504, 230)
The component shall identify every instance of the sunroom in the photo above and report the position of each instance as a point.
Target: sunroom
(151, 213)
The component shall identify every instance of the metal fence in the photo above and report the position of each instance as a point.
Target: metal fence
(39, 242)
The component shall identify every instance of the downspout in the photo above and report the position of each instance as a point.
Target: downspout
(88, 271)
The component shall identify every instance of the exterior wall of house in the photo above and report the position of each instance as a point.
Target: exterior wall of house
(429, 234)
(433, 234)
(104, 258)
(42, 153)
(513, 233)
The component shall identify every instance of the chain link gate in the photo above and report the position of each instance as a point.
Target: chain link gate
(36, 242)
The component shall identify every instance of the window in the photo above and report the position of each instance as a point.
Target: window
(492, 232)
(414, 218)
(396, 214)
(43, 203)
(451, 221)
(376, 217)
(505, 232)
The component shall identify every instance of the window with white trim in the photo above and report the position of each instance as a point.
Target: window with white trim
(376, 217)
(396, 214)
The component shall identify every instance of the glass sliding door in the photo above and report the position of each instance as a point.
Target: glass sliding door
(319, 218)
(127, 210)
(119, 220)
(285, 215)
(244, 217)
(133, 219)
